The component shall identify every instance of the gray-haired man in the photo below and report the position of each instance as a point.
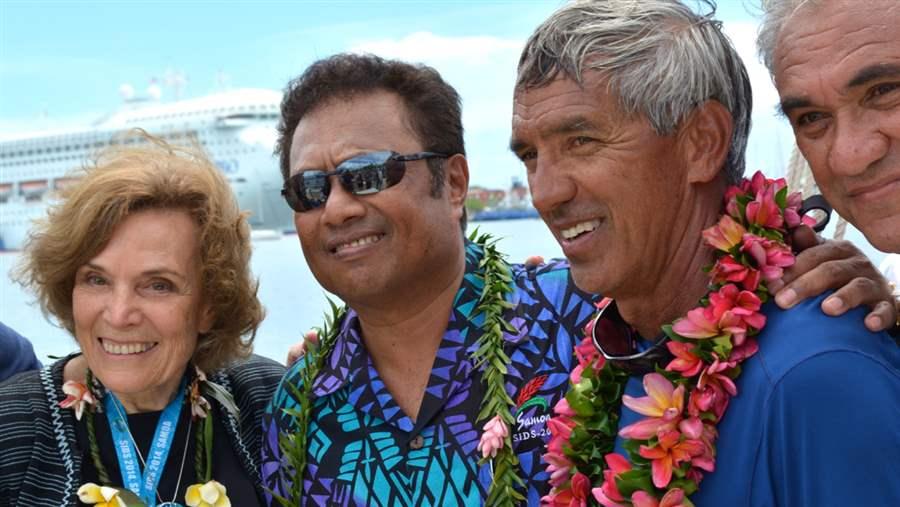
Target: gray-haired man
(632, 118)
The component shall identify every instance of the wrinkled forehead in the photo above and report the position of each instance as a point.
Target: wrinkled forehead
(824, 34)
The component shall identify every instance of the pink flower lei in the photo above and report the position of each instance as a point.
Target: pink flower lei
(674, 445)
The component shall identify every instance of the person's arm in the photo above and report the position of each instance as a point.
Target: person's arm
(831, 436)
(829, 264)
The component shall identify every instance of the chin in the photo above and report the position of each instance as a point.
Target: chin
(587, 277)
(884, 240)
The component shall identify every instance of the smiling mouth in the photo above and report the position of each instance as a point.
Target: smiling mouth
(126, 348)
(579, 229)
(367, 240)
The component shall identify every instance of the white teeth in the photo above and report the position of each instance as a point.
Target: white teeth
(130, 348)
(583, 227)
(358, 242)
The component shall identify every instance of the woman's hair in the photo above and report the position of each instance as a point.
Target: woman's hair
(145, 173)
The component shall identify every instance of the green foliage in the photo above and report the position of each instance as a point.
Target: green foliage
(294, 444)
(489, 354)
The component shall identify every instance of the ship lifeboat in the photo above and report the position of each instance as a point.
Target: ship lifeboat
(63, 183)
(33, 190)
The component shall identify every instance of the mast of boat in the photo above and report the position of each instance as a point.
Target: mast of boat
(800, 178)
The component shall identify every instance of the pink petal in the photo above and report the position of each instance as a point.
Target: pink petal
(643, 429)
(661, 472)
(643, 499)
(644, 405)
(659, 388)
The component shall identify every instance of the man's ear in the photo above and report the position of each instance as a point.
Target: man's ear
(456, 182)
(705, 139)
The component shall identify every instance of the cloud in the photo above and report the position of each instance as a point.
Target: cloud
(431, 48)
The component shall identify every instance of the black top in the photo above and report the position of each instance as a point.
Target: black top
(227, 468)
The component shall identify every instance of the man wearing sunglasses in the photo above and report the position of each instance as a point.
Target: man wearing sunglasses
(374, 164)
(632, 120)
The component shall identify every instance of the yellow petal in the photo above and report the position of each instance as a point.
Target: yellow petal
(108, 493)
(192, 496)
(90, 493)
(209, 492)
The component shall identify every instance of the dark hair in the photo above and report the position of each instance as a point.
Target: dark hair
(434, 107)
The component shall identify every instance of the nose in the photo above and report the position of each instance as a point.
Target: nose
(121, 308)
(550, 186)
(341, 206)
(856, 146)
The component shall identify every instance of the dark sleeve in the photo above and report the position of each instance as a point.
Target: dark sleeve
(17, 353)
(831, 436)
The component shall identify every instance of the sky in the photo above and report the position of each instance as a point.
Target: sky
(62, 63)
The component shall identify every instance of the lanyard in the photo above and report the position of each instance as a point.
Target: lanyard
(143, 485)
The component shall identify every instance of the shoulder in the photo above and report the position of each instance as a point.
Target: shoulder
(18, 354)
(550, 285)
(255, 377)
(803, 338)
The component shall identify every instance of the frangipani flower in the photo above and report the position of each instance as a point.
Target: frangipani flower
(727, 269)
(685, 361)
(558, 466)
(725, 235)
(575, 496)
(211, 494)
(78, 395)
(770, 256)
(675, 497)
(608, 494)
(664, 404)
(670, 452)
(493, 438)
(100, 496)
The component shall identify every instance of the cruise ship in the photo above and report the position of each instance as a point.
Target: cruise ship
(236, 128)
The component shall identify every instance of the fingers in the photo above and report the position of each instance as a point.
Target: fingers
(298, 350)
(534, 260)
(883, 317)
(295, 352)
(838, 265)
(829, 265)
(804, 237)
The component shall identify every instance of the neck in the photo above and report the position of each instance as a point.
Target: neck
(148, 401)
(403, 329)
(680, 280)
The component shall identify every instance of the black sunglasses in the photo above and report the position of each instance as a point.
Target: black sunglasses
(364, 174)
(617, 342)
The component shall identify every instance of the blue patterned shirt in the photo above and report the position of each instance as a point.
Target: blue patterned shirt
(364, 450)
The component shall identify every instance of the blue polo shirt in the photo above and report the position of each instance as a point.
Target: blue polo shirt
(364, 450)
(815, 422)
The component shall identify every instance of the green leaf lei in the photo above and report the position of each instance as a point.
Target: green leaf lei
(489, 354)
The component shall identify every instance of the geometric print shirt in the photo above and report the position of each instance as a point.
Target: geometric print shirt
(364, 450)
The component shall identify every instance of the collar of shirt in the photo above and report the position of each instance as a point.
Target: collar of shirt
(351, 365)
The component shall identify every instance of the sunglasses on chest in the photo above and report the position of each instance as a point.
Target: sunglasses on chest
(364, 174)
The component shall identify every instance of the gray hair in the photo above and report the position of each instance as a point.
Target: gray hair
(775, 14)
(662, 59)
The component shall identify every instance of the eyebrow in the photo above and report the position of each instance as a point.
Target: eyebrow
(863, 77)
(788, 104)
(149, 272)
(874, 72)
(566, 126)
